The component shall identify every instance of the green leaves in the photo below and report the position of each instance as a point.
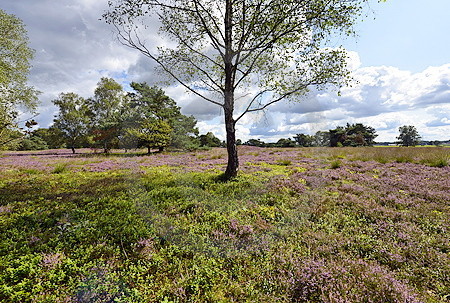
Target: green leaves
(408, 136)
(151, 105)
(257, 51)
(15, 57)
(72, 119)
(106, 113)
(152, 133)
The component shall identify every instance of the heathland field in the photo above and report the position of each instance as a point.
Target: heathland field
(297, 225)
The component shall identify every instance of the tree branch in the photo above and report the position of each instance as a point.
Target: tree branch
(127, 40)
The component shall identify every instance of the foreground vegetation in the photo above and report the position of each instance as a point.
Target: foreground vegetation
(297, 225)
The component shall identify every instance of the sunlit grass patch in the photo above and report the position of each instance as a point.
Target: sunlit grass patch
(61, 168)
(30, 171)
(284, 162)
(335, 164)
(268, 170)
(437, 161)
(218, 156)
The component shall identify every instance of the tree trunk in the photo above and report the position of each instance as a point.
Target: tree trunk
(149, 150)
(73, 149)
(233, 160)
(228, 105)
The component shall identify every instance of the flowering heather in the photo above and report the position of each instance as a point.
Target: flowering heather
(52, 260)
(347, 281)
(293, 227)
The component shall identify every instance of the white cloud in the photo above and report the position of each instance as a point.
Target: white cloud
(353, 61)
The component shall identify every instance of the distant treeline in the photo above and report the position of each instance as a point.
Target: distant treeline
(350, 135)
(189, 139)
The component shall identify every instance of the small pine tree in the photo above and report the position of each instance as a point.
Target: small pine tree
(152, 133)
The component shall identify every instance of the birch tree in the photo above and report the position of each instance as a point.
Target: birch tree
(72, 119)
(107, 112)
(241, 55)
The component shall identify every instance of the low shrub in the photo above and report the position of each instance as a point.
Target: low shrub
(335, 164)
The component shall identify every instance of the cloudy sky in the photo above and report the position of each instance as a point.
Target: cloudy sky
(401, 60)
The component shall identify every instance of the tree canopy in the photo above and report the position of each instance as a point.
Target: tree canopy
(356, 134)
(106, 110)
(152, 103)
(209, 140)
(15, 64)
(242, 55)
(72, 119)
(113, 118)
(152, 133)
(409, 136)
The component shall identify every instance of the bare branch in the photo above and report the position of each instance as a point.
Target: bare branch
(278, 99)
(214, 40)
(127, 39)
(259, 94)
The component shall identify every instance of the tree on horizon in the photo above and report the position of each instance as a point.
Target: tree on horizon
(409, 136)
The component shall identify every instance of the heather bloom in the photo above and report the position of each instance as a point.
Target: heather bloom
(146, 248)
(239, 229)
(347, 281)
(5, 209)
(52, 260)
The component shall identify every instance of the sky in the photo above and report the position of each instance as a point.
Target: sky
(400, 60)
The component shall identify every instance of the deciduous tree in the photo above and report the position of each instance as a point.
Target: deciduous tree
(283, 142)
(53, 137)
(152, 133)
(152, 103)
(72, 119)
(15, 58)
(241, 55)
(356, 134)
(255, 142)
(304, 140)
(185, 132)
(209, 140)
(322, 138)
(107, 111)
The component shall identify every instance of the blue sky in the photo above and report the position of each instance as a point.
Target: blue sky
(408, 34)
(401, 59)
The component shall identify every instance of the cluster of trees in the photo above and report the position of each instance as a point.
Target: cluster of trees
(259, 143)
(152, 129)
(356, 134)
(218, 51)
(112, 118)
(351, 135)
